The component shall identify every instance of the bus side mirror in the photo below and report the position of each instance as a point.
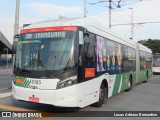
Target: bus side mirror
(14, 47)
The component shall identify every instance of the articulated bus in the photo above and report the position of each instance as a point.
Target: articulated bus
(156, 63)
(76, 63)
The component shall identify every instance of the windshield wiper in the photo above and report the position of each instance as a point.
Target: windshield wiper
(29, 64)
(49, 74)
(23, 70)
(67, 66)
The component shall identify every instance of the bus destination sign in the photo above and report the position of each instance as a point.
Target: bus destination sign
(45, 35)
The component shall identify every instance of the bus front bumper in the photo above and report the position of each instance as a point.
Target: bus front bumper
(65, 97)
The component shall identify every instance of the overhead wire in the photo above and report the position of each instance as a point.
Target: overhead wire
(148, 32)
(155, 35)
(124, 3)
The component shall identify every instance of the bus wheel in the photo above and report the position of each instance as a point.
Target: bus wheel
(101, 96)
(129, 84)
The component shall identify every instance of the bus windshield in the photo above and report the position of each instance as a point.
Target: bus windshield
(156, 61)
(46, 51)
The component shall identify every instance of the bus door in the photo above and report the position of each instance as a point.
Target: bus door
(87, 59)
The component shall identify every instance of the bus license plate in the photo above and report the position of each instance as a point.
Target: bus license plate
(33, 99)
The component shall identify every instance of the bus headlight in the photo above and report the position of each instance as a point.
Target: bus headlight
(68, 82)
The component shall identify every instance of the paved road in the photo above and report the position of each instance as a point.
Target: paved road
(143, 97)
(5, 81)
(5, 77)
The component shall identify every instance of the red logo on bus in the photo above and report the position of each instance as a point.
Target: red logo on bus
(20, 81)
(89, 72)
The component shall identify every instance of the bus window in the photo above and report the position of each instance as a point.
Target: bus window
(111, 57)
(100, 53)
(89, 46)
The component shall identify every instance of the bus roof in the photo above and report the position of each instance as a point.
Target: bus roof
(144, 48)
(91, 25)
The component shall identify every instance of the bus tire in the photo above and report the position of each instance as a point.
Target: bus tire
(129, 84)
(101, 97)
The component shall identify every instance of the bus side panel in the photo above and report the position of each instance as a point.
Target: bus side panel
(143, 75)
(134, 78)
(150, 73)
(126, 77)
(121, 81)
(145, 66)
(88, 92)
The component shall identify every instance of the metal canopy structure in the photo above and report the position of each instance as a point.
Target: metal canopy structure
(4, 44)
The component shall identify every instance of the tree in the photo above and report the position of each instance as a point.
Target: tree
(153, 44)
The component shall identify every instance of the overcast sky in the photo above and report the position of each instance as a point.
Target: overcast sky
(32, 11)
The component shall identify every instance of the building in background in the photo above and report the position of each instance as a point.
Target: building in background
(5, 51)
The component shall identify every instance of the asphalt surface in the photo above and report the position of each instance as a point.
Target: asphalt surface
(5, 81)
(143, 97)
(5, 77)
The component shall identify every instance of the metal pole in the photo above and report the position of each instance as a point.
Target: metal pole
(16, 28)
(137, 62)
(110, 7)
(16, 25)
(131, 23)
(85, 8)
(7, 59)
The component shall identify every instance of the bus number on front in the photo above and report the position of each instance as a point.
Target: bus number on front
(37, 82)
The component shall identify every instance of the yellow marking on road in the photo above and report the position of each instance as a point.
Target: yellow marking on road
(11, 108)
(45, 115)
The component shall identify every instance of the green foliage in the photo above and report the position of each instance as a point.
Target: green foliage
(154, 44)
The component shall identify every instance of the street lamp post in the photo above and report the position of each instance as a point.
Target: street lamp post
(110, 7)
(16, 25)
(16, 28)
(85, 8)
(131, 23)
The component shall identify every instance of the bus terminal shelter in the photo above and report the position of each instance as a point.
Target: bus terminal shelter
(5, 50)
